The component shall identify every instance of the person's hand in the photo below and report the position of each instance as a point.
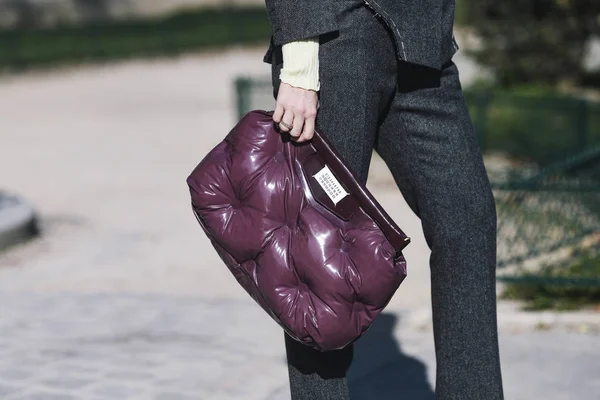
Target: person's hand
(296, 107)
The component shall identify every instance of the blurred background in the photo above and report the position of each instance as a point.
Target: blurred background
(110, 290)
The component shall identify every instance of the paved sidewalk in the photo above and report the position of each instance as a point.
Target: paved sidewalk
(123, 297)
(105, 346)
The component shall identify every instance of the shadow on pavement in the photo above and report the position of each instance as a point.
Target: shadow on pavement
(381, 371)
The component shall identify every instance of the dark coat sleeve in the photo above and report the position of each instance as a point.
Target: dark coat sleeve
(300, 19)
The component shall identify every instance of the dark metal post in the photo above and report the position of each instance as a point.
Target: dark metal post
(482, 103)
(243, 86)
(582, 123)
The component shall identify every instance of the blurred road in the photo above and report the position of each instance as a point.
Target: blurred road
(123, 298)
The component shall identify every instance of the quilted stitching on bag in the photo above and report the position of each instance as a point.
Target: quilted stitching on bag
(306, 267)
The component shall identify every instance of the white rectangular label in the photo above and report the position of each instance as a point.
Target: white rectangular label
(330, 185)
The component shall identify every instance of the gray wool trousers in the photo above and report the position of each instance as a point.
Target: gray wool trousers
(417, 121)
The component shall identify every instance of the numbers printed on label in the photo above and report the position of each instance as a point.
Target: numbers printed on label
(330, 185)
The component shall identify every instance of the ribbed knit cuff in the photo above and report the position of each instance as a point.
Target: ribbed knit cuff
(301, 63)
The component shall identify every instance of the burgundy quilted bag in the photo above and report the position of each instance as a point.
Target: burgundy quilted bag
(297, 230)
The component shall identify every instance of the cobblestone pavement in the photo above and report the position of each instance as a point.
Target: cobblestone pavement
(135, 347)
(122, 296)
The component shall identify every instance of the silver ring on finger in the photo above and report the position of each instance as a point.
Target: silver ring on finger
(286, 125)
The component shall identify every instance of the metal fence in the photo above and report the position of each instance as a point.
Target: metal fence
(545, 216)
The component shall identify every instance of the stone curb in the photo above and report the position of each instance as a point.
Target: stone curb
(511, 319)
(18, 221)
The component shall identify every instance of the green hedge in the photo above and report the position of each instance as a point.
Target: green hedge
(189, 30)
(460, 13)
(533, 123)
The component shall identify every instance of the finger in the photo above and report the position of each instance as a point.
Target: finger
(288, 119)
(298, 125)
(309, 129)
(278, 113)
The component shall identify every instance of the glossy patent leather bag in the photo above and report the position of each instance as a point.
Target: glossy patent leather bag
(298, 232)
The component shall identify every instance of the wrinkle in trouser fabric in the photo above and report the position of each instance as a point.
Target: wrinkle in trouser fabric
(419, 123)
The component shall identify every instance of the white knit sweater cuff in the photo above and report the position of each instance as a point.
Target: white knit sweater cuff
(301, 63)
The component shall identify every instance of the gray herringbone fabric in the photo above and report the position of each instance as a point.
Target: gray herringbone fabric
(422, 29)
(417, 120)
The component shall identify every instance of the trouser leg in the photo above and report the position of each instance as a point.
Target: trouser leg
(316, 375)
(428, 141)
(356, 63)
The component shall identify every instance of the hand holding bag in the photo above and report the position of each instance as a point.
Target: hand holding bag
(298, 232)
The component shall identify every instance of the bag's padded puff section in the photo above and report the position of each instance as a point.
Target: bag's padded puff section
(323, 279)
